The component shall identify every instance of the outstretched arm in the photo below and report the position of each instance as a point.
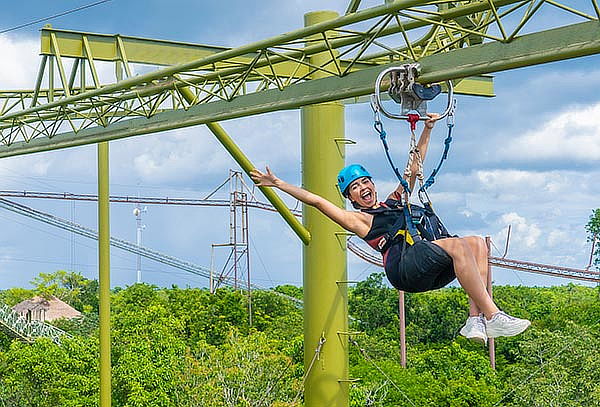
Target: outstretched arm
(422, 146)
(351, 221)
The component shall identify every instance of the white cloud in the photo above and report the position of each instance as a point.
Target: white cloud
(19, 62)
(523, 233)
(557, 238)
(573, 134)
(176, 156)
(507, 180)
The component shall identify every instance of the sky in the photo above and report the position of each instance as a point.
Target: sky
(527, 158)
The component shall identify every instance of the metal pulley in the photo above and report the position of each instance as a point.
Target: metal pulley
(408, 93)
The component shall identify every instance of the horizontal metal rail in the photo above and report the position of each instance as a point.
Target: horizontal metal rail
(557, 271)
(542, 47)
(144, 200)
(518, 265)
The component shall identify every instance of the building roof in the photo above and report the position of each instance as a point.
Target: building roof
(53, 307)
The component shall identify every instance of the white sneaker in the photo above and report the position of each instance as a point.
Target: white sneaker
(503, 324)
(475, 329)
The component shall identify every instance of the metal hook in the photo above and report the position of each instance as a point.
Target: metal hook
(411, 71)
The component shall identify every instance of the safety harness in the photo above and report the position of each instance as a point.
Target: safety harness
(417, 222)
(413, 224)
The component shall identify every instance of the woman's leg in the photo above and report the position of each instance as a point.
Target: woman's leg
(467, 256)
(480, 251)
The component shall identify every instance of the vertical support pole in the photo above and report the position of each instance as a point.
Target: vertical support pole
(246, 240)
(51, 79)
(492, 345)
(119, 70)
(82, 75)
(402, 321)
(38, 82)
(324, 258)
(235, 239)
(104, 274)
(138, 240)
(212, 267)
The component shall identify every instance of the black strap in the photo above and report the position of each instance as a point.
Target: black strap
(420, 222)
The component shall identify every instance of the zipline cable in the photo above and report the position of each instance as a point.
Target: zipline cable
(64, 13)
(310, 366)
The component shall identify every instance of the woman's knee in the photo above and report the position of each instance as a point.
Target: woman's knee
(477, 244)
(455, 246)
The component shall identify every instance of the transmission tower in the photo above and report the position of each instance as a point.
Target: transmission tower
(237, 263)
(137, 212)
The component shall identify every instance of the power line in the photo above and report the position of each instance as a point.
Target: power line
(64, 13)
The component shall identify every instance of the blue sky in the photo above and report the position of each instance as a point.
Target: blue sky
(528, 157)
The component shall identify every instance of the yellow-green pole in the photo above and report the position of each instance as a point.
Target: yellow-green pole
(325, 293)
(104, 274)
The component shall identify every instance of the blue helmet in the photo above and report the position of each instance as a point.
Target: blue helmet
(349, 174)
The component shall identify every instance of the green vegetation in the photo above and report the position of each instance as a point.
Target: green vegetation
(186, 347)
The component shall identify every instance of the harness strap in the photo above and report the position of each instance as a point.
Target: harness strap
(431, 178)
(412, 220)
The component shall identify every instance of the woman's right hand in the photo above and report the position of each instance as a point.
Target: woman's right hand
(431, 119)
(262, 179)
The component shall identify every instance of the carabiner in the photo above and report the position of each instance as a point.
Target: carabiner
(450, 118)
(378, 125)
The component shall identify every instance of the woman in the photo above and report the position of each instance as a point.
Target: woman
(413, 266)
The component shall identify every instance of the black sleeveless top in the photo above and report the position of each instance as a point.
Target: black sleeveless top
(384, 217)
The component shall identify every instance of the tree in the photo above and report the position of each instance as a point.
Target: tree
(246, 371)
(554, 369)
(374, 304)
(13, 296)
(593, 229)
(73, 288)
(44, 374)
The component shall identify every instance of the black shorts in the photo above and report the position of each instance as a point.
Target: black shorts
(423, 266)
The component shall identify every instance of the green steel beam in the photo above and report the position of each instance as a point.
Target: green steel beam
(232, 53)
(105, 47)
(277, 41)
(134, 95)
(137, 50)
(546, 46)
(353, 6)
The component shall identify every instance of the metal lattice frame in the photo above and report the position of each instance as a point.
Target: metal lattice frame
(27, 331)
(408, 30)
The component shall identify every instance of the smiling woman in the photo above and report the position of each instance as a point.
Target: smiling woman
(415, 259)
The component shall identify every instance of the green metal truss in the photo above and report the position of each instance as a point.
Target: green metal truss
(27, 331)
(276, 73)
